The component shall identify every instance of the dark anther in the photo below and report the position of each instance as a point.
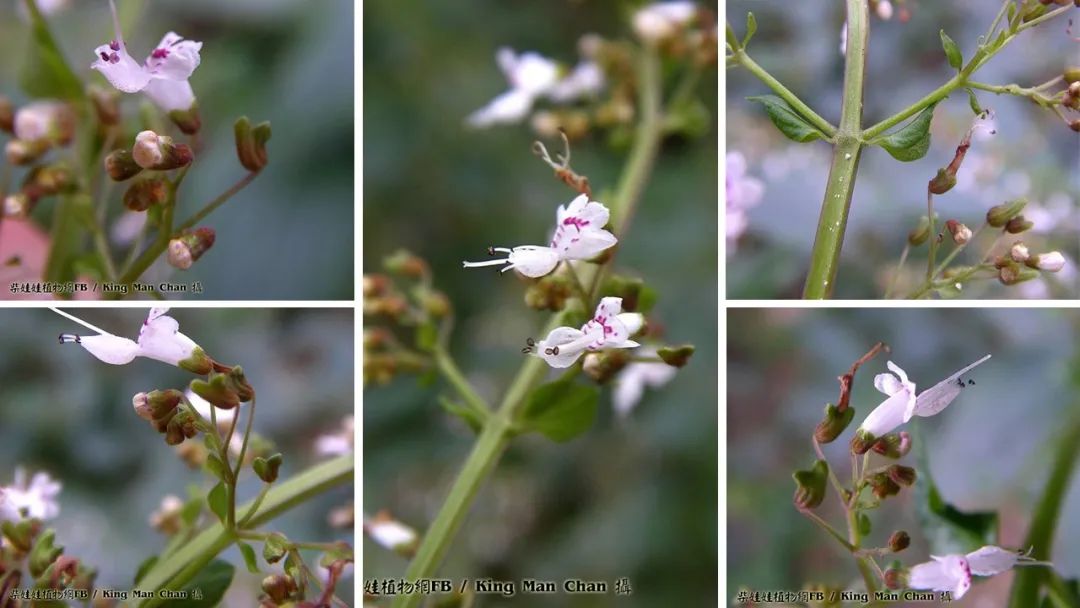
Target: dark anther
(971, 382)
(491, 250)
(555, 350)
(104, 56)
(526, 350)
(114, 45)
(530, 341)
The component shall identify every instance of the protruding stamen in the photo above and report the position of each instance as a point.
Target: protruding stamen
(69, 338)
(491, 250)
(116, 25)
(527, 350)
(114, 45)
(487, 263)
(530, 341)
(78, 320)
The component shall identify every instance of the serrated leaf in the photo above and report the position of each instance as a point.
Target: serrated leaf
(949, 530)
(952, 52)
(46, 73)
(561, 410)
(751, 29)
(218, 501)
(790, 123)
(910, 142)
(249, 557)
(474, 418)
(208, 587)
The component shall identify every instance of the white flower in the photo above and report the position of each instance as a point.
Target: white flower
(609, 328)
(164, 75)
(47, 7)
(337, 443)
(742, 192)
(43, 120)
(389, 533)
(579, 235)
(34, 498)
(902, 403)
(530, 75)
(1050, 262)
(147, 150)
(159, 339)
(661, 20)
(630, 383)
(953, 572)
(586, 80)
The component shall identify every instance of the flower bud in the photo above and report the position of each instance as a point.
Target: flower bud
(833, 424)
(51, 122)
(676, 356)
(158, 152)
(1075, 125)
(436, 304)
(186, 249)
(920, 233)
(267, 468)
(121, 165)
(20, 534)
(188, 121)
(146, 192)
(894, 445)
(549, 293)
(810, 485)
(1018, 225)
(1019, 252)
(251, 143)
(862, 442)
(602, 366)
(405, 263)
(884, 487)
(894, 579)
(1050, 262)
(901, 475)
(181, 427)
(884, 10)
(961, 234)
(279, 587)
(899, 541)
(44, 553)
(159, 404)
(48, 180)
(943, 181)
(1011, 273)
(225, 391)
(999, 215)
(141, 403)
(106, 105)
(7, 115)
(22, 152)
(18, 206)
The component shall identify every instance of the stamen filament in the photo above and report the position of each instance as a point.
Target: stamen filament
(79, 321)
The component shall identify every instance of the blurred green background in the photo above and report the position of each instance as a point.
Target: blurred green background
(636, 500)
(67, 413)
(289, 235)
(1033, 155)
(990, 450)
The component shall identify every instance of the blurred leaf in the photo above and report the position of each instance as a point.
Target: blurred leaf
(190, 511)
(952, 52)
(790, 123)
(561, 410)
(947, 529)
(690, 118)
(751, 28)
(218, 500)
(910, 142)
(249, 556)
(471, 416)
(210, 583)
(45, 73)
(1040, 536)
(145, 567)
(64, 238)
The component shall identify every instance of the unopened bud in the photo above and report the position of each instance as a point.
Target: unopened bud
(883, 486)
(899, 541)
(862, 442)
(943, 181)
(999, 215)
(602, 366)
(676, 356)
(961, 234)
(267, 468)
(833, 424)
(884, 10)
(188, 121)
(894, 579)
(1012, 273)
(141, 403)
(1018, 225)
(901, 475)
(146, 192)
(7, 115)
(894, 445)
(220, 390)
(49, 180)
(23, 152)
(279, 587)
(375, 285)
(51, 122)
(405, 263)
(251, 143)
(18, 206)
(106, 105)
(186, 249)
(810, 485)
(159, 152)
(920, 233)
(550, 293)
(120, 165)
(1019, 252)
(181, 427)
(1050, 262)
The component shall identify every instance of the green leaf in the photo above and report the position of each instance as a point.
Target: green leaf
(208, 586)
(218, 499)
(1040, 536)
(145, 567)
(952, 52)
(561, 410)
(427, 335)
(947, 529)
(910, 142)
(751, 29)
(189, 513)
(249, 557)
(471, 416)
(215, 466)
(790, 123)
(275, 547)
(45, 73)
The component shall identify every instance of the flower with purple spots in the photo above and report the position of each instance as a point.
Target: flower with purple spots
(609, 328)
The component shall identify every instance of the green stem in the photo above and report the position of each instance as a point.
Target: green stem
(183, 565)
(499, 427)
(824, 525)
(254, 507)
(792, 99)
(217, 202)
(832, 223)
(453, 375)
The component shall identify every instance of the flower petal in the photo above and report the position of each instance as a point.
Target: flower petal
(122, 72)
(170, 95)
(887, 416)
(111, 349)
(583, 245)
(175, 58)
(533, 261)
(948, 573)
(936, 398)
(567, 341)
(160, 339)
(990, 560)
(508, 108)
